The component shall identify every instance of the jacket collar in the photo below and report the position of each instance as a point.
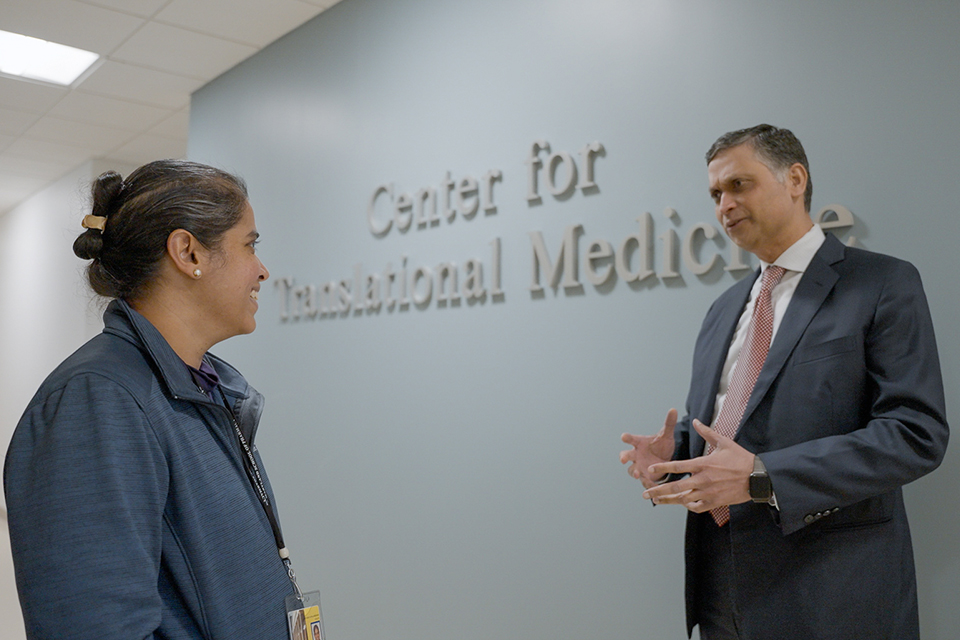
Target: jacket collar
(123, 320)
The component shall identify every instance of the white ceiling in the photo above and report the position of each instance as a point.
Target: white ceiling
(134, 105)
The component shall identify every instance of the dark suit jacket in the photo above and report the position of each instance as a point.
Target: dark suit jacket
(848, 408)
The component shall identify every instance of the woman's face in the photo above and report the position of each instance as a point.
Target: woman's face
(232, 280)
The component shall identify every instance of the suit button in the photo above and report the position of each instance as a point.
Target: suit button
(809, 518)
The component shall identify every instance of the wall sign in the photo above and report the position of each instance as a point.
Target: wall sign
(633, 258)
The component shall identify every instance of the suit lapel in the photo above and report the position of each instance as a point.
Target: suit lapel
(817, 283)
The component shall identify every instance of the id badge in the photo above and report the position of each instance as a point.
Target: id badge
(303, 616)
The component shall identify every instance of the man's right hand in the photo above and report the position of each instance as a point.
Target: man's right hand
(648, 450)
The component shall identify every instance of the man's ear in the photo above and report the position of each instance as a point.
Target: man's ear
(185, 251)
(797, 178)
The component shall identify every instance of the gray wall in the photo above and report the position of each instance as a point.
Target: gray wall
(451, 470)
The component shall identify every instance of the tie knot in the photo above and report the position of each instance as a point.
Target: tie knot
(771, 276)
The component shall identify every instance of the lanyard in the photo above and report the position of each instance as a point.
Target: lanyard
(253, 474)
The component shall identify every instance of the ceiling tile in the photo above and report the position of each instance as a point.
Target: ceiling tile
(69, 22)
(28, 96)
(146, 148)
(96, 138)
(254, 22)
(47, 151)
(143, 86)
(176, 126)
(28, 168)
(182, 52)
(142, 8)
(14, 122)
(6, 141)
(110, 112)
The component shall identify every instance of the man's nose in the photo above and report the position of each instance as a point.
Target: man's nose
(726, 202)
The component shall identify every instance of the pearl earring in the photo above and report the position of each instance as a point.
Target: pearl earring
(197, 273)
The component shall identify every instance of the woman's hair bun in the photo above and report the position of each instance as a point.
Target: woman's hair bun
(106, 192)
(106, 195)
(88, 245)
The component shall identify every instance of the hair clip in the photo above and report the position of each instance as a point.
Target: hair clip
(94, 222)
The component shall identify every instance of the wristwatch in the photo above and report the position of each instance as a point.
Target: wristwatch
(761, 489)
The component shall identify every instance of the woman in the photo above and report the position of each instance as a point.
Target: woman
(138, 505)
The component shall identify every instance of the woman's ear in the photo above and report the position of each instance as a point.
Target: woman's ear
(186, 253)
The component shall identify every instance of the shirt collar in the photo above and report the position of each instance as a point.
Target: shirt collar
(206, 377)
(798, 256)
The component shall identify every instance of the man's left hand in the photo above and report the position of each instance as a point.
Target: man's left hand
(719, 478)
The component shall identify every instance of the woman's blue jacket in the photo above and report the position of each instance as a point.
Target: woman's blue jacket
(130, 512)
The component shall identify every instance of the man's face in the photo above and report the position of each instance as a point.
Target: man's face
(757, 210)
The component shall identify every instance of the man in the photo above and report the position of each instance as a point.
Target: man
(822, 383)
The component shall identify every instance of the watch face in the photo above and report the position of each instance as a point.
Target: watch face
(760, 487)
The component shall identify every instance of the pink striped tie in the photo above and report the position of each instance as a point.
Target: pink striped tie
(747, 369)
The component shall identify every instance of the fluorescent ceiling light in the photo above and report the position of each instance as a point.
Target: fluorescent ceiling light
(41, 60)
